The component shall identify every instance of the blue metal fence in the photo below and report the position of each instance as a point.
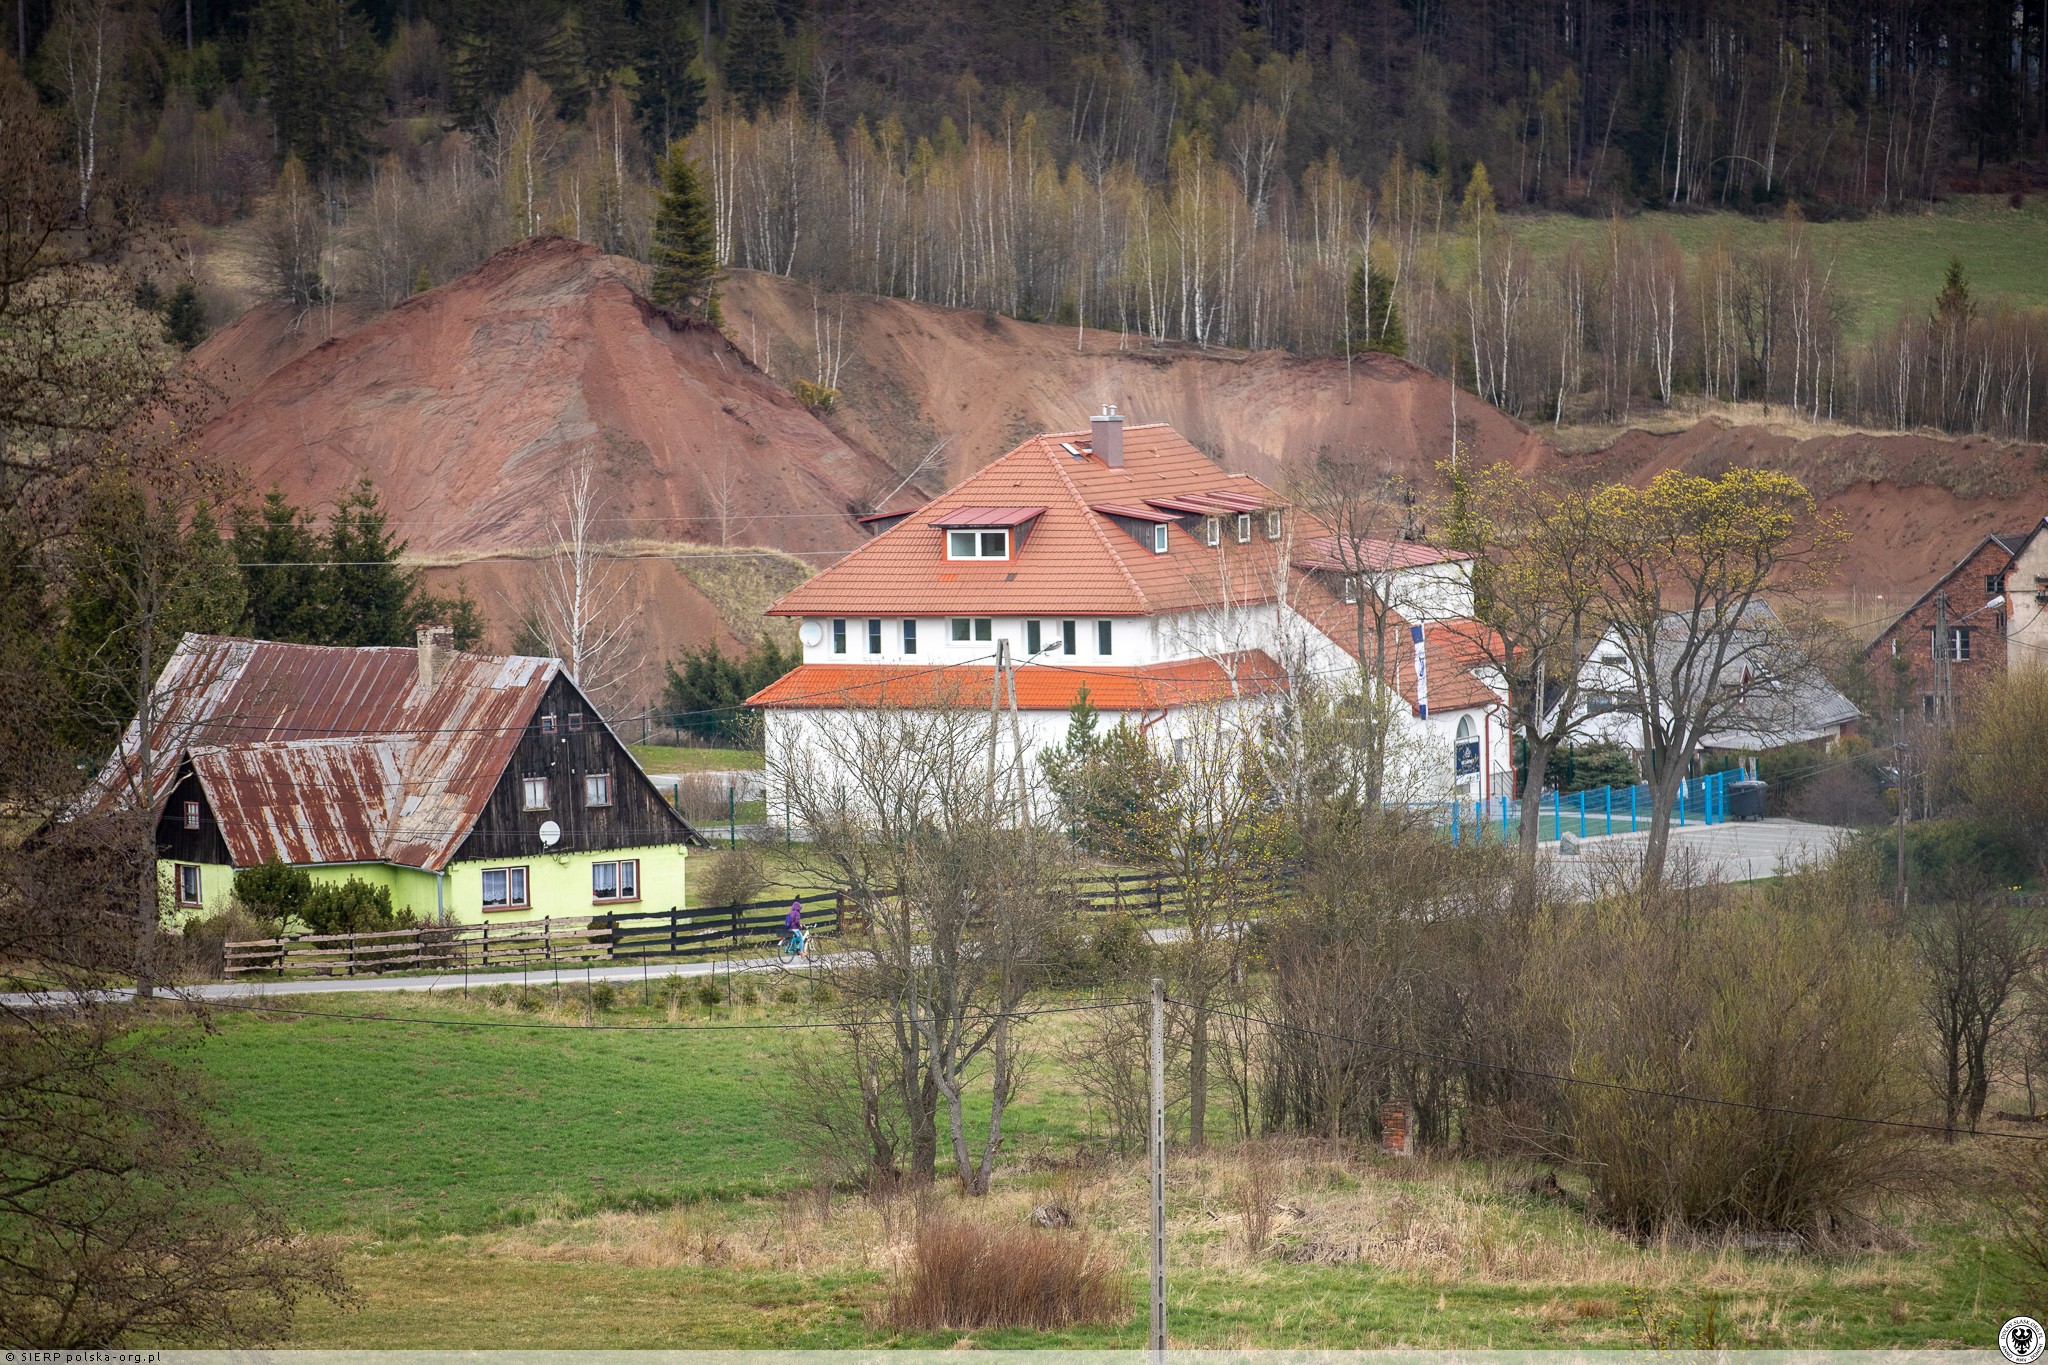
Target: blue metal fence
(1588, 814)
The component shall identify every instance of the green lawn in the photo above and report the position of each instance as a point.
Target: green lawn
(669, 758)
(499, 1186)
(1884, 263)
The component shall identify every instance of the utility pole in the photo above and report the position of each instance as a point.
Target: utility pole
(1017, 748)
(995, 696)
(1899, 772)
(1158, 1170)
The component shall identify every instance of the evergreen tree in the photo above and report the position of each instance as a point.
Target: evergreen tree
(685, 245)
(606, 40)
(277, 548)
(184, 320)
(1953, 306)
(366, 598)
(1375, 319)
(319, 61)
(498, 42)
(670, 89)
(756, 65)
(704, 695)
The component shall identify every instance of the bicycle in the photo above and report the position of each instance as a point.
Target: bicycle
(795, 946)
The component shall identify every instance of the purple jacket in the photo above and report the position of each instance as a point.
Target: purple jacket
(796, 916)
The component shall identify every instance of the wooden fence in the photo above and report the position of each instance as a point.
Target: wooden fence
(626, 935)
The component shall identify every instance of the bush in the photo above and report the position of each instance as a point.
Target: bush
(966, 1275)
(1586, 767)
(1946, 859)
(273, 890)
(603, 995)
(352, 907)
(737, 876)
(708, 994)
(205, 940)
(1720, 993)
(1122, 947)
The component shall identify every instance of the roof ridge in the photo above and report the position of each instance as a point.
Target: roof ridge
(1095, 525)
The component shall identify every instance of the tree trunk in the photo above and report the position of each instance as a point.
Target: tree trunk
(1198, 1076)
(1531, 827)
(1663, 801)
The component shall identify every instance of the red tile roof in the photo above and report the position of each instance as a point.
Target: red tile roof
(1323, 552)
(1040, 686)
(986, 516)
(1076, 562)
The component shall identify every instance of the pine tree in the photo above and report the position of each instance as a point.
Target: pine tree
(756, 65)
(1954, 307)
(500, 41)
(670, 90)
(319, 62)
(184, 319)
(1375, 320)
(366, 598)
(685, 246)
(277, 549)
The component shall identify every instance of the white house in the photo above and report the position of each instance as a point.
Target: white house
(1776, 696)
(1126, 562)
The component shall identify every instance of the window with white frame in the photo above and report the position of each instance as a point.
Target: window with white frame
(504, 888)
(1212, 531)
(1272, 523)
(909, 635)
(1034, 636)
(191, 815)
(967, 629)
(1244, 528)
(1068, 641)
(875, 635)
(534, 793)
(615, 881)
(1103, 640)
(839, 635)
(597, 789)
(1159, 538)
(189, 888)
(1350, 590)
(977, 544)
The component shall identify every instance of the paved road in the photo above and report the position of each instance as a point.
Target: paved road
(1737, 851)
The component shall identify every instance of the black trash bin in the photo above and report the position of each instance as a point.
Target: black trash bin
(1746, 800)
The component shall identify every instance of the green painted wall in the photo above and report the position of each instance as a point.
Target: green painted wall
(558, 885)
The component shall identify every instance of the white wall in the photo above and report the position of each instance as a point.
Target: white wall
(2026, 620)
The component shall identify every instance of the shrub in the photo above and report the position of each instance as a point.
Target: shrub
(966, 1275)
(708, 993)
(273, 890)
(603, 995)
(1122, 946)
(737, 876)
(817, 397)
(1950, 858)
(205, 940)
(1720, 994)
(748, 995)
(352, 907)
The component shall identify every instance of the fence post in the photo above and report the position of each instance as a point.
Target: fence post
(1582, 813)
(1454, 822)
(1632, 808)
(1609, 789)
(838, 913)
(1681, 802)
(673, 912)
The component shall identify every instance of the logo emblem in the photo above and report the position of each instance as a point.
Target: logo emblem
(2021, 1341)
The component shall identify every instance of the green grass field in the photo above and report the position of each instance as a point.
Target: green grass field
(669, 758)
(498, 1186)
(1884, 263)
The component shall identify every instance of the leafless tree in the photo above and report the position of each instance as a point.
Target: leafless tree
(1975, 953)
(581, 606)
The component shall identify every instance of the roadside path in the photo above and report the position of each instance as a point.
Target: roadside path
(1735, 851)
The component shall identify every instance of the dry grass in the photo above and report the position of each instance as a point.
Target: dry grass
(966, 1274)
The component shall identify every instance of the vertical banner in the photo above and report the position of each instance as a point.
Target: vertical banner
(1421, 673)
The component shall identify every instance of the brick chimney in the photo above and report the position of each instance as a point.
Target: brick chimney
(1109, 436)
(436, 644)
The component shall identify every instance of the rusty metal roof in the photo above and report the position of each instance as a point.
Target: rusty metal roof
(317, 754)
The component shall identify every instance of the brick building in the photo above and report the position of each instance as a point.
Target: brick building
(1974, 603)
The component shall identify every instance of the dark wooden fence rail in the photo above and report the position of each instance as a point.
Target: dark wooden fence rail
(612, 936)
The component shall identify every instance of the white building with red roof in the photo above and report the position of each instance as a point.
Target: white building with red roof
(1123, 561)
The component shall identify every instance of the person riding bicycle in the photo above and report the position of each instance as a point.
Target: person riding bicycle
(797, 942)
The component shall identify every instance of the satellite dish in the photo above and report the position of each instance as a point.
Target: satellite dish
(550, 834)
(812, 634)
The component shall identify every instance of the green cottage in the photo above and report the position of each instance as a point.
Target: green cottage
(473, 786)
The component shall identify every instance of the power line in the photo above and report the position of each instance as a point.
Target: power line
(1644, 1091)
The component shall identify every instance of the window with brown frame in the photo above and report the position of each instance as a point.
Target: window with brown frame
(533, 792)
(575, 722)
(597, 789)
(504, 888)
(191, 815)
(190, 889)
(547, 723)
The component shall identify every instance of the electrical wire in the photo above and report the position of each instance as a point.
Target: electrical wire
(1645, 1091)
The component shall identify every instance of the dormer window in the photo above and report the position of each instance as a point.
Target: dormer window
(1159, 538)
(1350, 588)
(1244, 528)
(1212, 531)
(978, 544)
(1272, 523)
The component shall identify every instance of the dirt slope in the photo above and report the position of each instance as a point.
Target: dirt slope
(916, 374)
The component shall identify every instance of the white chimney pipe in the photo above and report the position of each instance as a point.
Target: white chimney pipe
(1108, 429)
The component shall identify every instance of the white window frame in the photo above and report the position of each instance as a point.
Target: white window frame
(1244, 528)
(625, 873)
(1105, 638)
(606, 780)
(1349, 591)
(1159, 537)
(1070, 637)
(977, 542)
(1272, 523)
(967, 630)
(1034, 637)
(526, 801)
(197, 895)
(507, 874)
(910, 635)
(1212, 531)
(874, 635)
(839, 635)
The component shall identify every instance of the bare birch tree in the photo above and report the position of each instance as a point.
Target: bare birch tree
(580, 608)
